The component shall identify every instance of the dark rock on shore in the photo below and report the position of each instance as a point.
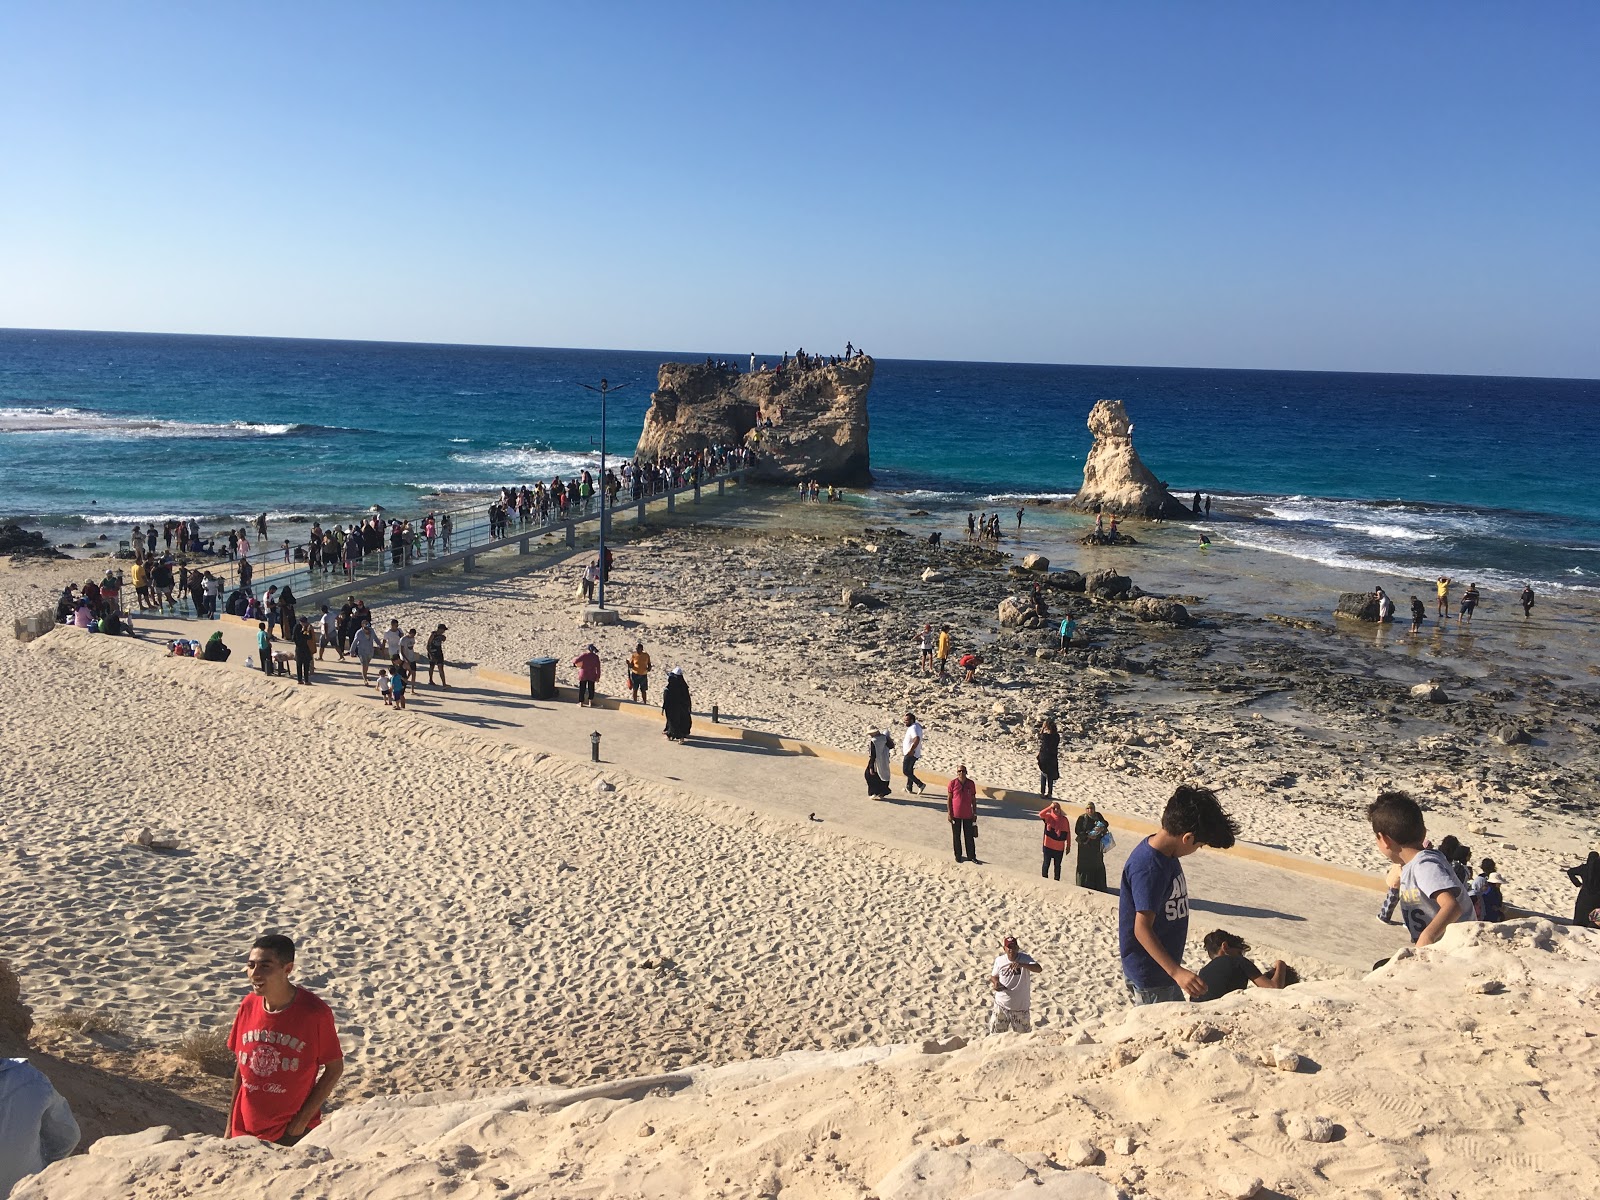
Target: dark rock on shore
(1159, 610)
(1108, 585)
(24, 543)
(1358, 606)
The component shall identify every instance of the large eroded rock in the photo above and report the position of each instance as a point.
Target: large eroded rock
(819, 418)
(1115, 480)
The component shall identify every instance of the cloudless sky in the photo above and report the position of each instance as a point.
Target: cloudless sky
(1352, 186)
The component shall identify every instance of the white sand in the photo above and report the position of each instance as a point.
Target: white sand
(1419, 1083)
(478, 917)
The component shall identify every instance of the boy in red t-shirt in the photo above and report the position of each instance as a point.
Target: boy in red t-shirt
(282, 1037)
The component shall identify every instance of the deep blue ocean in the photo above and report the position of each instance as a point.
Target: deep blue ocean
(1465, 474)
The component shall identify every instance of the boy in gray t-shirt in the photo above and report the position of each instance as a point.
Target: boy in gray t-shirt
(1431, 896)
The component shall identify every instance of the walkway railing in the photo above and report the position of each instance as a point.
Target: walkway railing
(469, 537)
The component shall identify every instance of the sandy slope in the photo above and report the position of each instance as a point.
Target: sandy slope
(1464, 1070)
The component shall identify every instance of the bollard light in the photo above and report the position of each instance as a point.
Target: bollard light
(715, 716)
(594, 746)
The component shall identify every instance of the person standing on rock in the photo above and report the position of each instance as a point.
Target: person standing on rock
(942, 652)
(925, 648)
(1090, 868)
(961, 808)
(1153, 899)
(1417, 615)
(1049, 760)
(910, 751)
(1526, 600)
(1469, 604)
(1010, 982)
(285, 1047)
(1442, 586)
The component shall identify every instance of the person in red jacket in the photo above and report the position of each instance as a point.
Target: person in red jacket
(285, 1048)
(588, 664)
(962, 809)
(1057, 837)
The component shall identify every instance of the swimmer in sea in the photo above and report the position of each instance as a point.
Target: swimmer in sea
(1205, 542)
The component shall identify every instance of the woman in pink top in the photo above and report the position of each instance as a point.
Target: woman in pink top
(588, 664)
(962, 809)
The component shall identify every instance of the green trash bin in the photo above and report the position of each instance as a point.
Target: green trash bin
(542, 678)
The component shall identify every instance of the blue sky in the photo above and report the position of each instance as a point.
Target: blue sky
(1347, 187)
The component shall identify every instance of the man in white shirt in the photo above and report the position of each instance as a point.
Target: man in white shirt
(1011, 982)
(910, 751)
(391, 639)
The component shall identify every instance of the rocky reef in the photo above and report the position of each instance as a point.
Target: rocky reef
(1115, 480)
(802, 423)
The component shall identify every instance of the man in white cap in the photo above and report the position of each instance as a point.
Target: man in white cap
(1011, 982)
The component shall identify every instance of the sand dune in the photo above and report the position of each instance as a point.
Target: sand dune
(1466, 1069)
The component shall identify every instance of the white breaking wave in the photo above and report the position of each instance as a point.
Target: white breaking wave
(83, 421)
(1003, 497)
(530, 463)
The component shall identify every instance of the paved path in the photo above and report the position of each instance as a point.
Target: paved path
(1279, 902)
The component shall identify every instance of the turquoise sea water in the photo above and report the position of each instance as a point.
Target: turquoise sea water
(1472, 475)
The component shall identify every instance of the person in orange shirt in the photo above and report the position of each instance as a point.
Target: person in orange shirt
(1057, 837)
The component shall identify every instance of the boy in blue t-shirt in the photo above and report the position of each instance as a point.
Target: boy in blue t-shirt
(1153, 909)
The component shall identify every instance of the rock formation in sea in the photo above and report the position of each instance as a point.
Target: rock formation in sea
(818, 418)
(1114, 478)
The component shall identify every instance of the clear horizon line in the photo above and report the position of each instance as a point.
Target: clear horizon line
(997, 362)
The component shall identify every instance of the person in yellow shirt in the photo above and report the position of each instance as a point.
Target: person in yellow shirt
(141, 583)
(1443, 585)
(639, 674)
(942, 651)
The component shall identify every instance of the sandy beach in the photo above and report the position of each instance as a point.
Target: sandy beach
(485, 909)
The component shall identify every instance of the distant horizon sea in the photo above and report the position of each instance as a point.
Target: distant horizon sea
(1478, 476)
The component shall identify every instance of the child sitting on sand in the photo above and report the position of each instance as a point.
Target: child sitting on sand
(386, 687)
(1230, 971)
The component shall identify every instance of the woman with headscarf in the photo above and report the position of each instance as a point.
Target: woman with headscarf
(1049, 757)
(1586, 877)
(215, 651)
(877, 772)
(675, 706)
(1089, 828)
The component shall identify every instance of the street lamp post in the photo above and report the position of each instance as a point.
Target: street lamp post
(604, 389)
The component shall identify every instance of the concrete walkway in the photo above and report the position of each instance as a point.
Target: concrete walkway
(1293, 905)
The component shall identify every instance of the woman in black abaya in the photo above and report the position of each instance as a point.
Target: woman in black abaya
(675, 706)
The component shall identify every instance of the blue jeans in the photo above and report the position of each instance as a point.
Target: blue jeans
(1171, 994)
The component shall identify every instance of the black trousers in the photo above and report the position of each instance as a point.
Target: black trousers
(964, 829)
(585, 690)
(910, 769)
(302, 667)
(1050, 857)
